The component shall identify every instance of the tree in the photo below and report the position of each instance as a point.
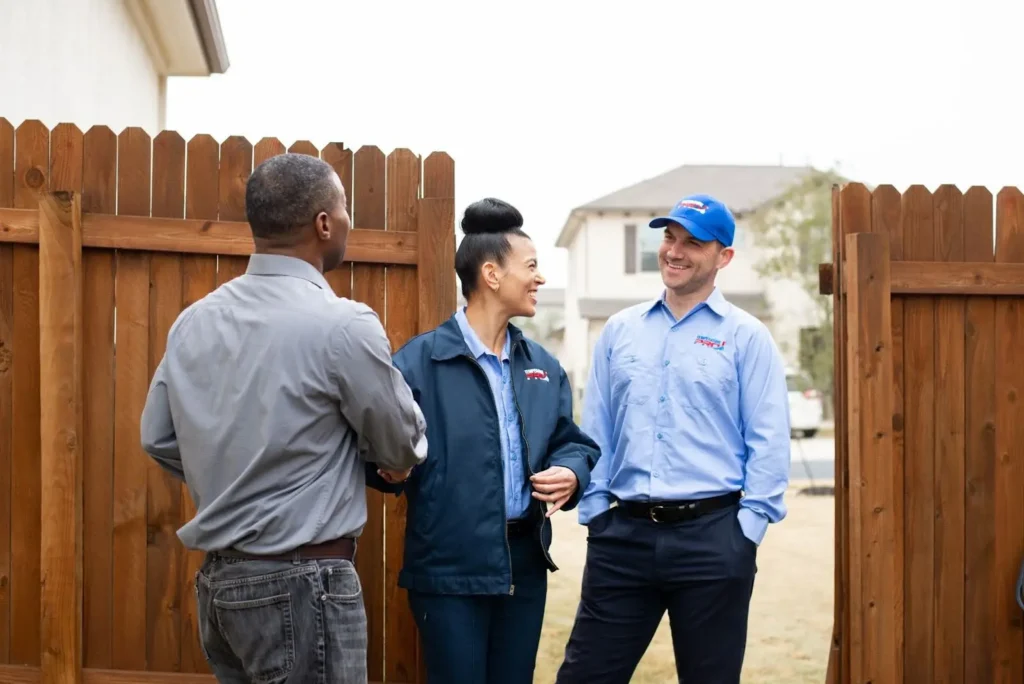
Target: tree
(794, 234)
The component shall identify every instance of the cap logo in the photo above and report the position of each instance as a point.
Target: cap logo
(692, 204)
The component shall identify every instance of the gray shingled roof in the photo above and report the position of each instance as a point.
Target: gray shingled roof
(742, 188)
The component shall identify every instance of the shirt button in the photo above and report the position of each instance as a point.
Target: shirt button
(659, 435)
(665, 362)
(661, 398)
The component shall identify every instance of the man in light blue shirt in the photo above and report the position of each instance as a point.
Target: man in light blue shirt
(687, 399)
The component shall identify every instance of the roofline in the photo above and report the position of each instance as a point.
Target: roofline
(204, 13)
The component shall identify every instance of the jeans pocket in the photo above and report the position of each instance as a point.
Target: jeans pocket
(261, 633)
(344, 618)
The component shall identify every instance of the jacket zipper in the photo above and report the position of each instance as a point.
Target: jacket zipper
(526, 445)
(504, 506)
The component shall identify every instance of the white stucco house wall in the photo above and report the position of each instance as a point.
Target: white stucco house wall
(103, 62)
(612, 256)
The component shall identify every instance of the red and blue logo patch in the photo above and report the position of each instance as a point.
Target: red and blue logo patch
(709, 342)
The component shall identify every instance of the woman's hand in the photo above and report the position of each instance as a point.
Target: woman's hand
(555, 486)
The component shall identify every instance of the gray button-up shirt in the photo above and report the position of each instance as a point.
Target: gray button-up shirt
(270, 396)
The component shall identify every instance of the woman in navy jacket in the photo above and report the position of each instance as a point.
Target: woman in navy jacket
(503, 455)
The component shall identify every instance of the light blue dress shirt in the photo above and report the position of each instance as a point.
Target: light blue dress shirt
(499, 376)
(688, 409)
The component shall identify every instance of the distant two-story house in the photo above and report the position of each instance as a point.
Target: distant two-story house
(613, 256)
(103, 62)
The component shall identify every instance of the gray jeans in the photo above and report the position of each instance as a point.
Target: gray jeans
(281, 622)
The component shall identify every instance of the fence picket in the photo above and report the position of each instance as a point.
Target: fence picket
(199, 276)
(980, 453)
(369, 286)
(131, 373)
(401, 645)
(99, 194)
(1009, 469)
(31, 180)
(164, 551)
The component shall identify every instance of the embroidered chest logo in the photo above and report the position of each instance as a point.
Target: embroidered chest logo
(709, 342)
(536, 374)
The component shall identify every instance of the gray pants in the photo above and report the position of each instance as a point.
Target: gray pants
(281, 622)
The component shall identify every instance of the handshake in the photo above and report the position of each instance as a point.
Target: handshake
(394, 476)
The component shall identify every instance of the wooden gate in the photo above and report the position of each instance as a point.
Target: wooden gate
(929, 436)
(107, 237)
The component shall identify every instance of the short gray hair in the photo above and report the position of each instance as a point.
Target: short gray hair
(286, 192)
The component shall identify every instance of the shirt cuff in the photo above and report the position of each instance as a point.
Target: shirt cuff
(593, 505)
(753, 524)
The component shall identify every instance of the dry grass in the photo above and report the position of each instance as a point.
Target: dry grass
(790, 615)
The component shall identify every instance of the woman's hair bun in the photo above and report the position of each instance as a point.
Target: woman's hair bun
(491, 215)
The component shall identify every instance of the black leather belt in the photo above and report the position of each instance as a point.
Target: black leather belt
(343, 548)
(677, 511)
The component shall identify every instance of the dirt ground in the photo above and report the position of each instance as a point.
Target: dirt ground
(790, 614)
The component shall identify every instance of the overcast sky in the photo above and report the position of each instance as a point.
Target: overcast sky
(549, 105)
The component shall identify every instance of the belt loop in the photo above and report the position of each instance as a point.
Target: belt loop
(296, 557)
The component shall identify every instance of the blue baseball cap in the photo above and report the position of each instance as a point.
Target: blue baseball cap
(704, 217)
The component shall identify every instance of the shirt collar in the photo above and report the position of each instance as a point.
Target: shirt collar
(281, 265)
(477, 348)
(716, 301)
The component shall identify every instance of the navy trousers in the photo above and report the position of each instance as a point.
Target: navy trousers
(701, 571)
(486, 639)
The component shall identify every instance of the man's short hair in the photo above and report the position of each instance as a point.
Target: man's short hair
(286, 192)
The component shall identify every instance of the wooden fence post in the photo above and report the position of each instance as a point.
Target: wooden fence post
(875, 636)
(60, 378)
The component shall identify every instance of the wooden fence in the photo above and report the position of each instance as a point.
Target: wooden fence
(92, 574)
(930, 435)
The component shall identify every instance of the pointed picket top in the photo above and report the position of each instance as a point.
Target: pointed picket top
(202, 159)
(854, 210)
(403, 174)
(66, 157)
(235, 168)
(1010, 225)
(948, 204)
(369, 150)
(170, 139)
(335, 153)
(304, 147)
(265, 149)
(203, 139)
(34, 126)
(169, 175)
(134, 170)
(886, 217)
(31, 163)
(979, 237)
(439, 175)
(99, 175)
(340, 159)
(918, 221)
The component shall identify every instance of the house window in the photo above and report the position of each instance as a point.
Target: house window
(648, 240)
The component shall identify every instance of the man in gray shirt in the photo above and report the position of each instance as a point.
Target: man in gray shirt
(272, 396)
